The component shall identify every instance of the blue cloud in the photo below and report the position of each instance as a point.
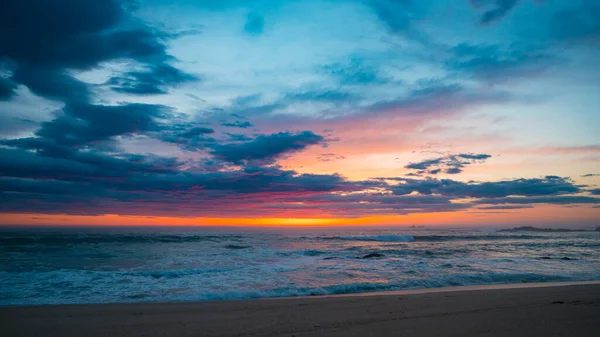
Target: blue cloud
(356, 71)
(518, 187)
(238, 124)
(400, 16)
(449, 164)
(255, 24)
(7, 88)
(494, 10)
(266, 147)
(578, 23)
(553, 200)
(152, 82)
(43, 40)
(493, 64)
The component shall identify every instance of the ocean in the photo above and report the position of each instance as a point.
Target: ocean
(107, 265)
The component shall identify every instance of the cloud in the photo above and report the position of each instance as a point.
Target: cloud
(449, 164)
(326, 157)
(237, 137)
(152, 82)
(503, 207)
(356, 71)
(400, 16)
(238, 124)
(589, 175)
(473, 156)
(493, 64)
(553, 200)
(255, 24)
(549, 185)
(321, 96)
(494, 9)
(30, 182)
(425, 164)
(266, 147)
(84, 123)
(187, 137)
(578, 24)
(7, 88)
(43, 41)
(90, 182)
(52, 83)
(595, 191)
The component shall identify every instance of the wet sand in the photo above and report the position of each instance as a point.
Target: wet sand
(546, 310)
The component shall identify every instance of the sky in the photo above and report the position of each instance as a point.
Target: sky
(290, 112)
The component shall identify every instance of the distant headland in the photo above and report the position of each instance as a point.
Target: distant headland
(546, 230)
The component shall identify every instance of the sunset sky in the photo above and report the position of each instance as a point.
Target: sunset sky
(281, 112)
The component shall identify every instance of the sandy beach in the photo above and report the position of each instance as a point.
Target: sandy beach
(571, 309)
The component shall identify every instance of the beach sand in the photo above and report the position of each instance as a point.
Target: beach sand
(518, 310)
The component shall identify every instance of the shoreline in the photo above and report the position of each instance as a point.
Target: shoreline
(551, 309)
(479, 287)
(417, 291)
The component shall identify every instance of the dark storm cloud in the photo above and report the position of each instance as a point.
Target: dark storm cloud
(187, 137)
(7, 88)
(449, 164)
(84, 123)
(88, 182)
(151, 82)
(68, 165)
(52, 83)
(494, 10)
(145, 185)
(196, 131)
(255, 24)
(84, 132)
(519, 187)
(266, 147)
(595, 191)
(42, 39)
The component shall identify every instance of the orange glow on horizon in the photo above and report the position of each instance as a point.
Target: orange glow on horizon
(543, 214)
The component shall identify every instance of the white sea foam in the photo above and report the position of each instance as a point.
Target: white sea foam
(100, 268)
(381, 238)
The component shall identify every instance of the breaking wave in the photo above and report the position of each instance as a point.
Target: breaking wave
(381, 238)
(85, 266)
(113, 238)
(430, 238)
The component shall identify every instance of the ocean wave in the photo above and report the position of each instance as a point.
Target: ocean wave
(65, 239)
(380, 238)
(433, 238)
(236, 247)
(178, 273)
(80, 286)
(368, 287)
(429, 238)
